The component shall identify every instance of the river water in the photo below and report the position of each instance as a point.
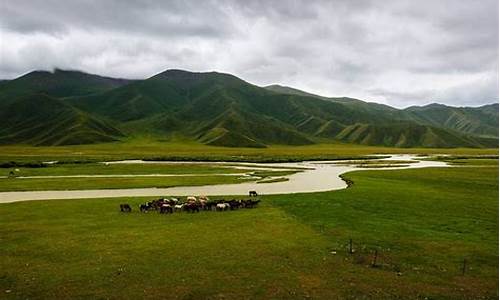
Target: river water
(317, 176)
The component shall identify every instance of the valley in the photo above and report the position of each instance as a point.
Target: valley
(356, 199)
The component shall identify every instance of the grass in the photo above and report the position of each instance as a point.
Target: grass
(473, 160)
(211, 175)
(272, 180)
(110, 169)
(186, 150)
(423, 222)
(376, 162)
(36, 184)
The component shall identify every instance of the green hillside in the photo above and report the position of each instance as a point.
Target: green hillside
(407, 134)
(43, 120)
(59, 83)
(223, 110)
(481, 121)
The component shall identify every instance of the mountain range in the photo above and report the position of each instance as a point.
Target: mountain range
(71, 107)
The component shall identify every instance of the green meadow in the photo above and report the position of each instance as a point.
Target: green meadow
(422, 223)
(39, 178)
(149, 148)
(37, 184)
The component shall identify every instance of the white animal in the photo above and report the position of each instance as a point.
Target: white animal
(178, 206)
(222, 206)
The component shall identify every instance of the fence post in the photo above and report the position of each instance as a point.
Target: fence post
(350, 246)
(374, 263)
(464, 266)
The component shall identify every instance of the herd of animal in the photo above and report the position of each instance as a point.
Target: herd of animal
(191, 204)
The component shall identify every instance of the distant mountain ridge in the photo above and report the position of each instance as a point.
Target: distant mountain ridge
(224, 110)
(58, 83)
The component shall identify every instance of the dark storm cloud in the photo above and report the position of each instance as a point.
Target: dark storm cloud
(399, 52)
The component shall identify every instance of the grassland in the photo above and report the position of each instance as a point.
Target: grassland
(187, 150)
(40, 184)
(271, 180)
(120, 169)
(125, 176)
(423, 222)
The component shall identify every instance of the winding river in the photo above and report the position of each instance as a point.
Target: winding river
(316, 176)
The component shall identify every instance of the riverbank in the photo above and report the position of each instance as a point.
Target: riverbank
(314, 176)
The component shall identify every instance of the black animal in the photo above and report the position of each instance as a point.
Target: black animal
(211, 205)
(252, 194)
(234, 204)
(166, 208)
(192, 207)
(145, 207)
(250, 203)
(156, 204)
(125, 208)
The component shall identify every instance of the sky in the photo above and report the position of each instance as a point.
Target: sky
(396, 52)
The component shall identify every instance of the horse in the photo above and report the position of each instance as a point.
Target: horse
(233, 204)
(125, 208)
(203, 198)
(203, 202)
(178, 207)
(156, 204)
(222, 206)
(166, 208)
(211, 206)
(145, 207)
(251, 203)
(252, 194)
(192, 207)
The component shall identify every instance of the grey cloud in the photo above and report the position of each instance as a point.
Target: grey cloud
(400, 52)
(170, 18)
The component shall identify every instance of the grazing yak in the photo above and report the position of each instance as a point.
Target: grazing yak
(252, 194)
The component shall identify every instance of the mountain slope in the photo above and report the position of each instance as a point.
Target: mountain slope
(43, 120)
(407, 134)
(200, 102)
(58, 83)
(223, 110)
(480, 121)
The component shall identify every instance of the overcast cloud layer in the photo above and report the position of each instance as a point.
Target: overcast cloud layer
(397, 52)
